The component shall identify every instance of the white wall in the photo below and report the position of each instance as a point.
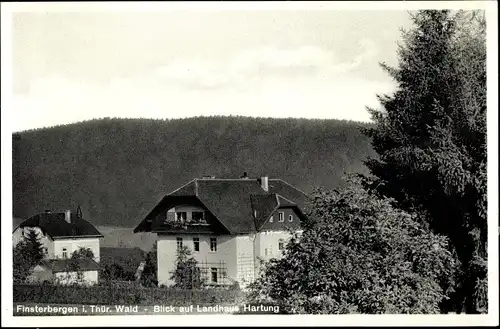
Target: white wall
(74, 244)
(88, 277)
(167, 254)
(269, 240)
(245, 259)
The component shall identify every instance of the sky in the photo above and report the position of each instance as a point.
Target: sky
(76, 66)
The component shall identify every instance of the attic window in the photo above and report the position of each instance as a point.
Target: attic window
(198, 216)
(271, 219)
(65, 253)
(181, 216)
(281, 217)
(255, 213)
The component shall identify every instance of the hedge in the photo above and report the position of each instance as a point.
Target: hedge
(110, 295)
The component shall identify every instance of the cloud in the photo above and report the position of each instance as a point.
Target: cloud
(260, 63)
(306, 82)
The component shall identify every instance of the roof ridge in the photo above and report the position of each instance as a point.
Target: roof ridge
(235, 179)
(192, 180)
(279, 179)
(279, 195)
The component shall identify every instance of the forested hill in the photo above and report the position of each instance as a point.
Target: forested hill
(117, 169)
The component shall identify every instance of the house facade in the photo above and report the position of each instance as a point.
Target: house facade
(61, 234)
(230, 225)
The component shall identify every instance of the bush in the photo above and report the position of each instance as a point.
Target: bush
(358, 255)
(109, 295)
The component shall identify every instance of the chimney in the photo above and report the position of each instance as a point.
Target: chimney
(245, 176)
(264, 183)
(47, 211)
(67, 216)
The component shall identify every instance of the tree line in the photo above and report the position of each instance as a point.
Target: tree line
(117, 169)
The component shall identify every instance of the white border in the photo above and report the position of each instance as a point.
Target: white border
(268, 320)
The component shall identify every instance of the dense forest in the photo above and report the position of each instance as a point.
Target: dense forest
(117, 169)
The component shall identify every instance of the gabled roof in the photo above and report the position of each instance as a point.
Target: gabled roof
(55, 225)
(68, 265)
(233, 201)
(128, 258)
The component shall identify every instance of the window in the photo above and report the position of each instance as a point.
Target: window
(281, 217)
(290, 218)
(196, 244)
(281, 244)
(181, 216)
(213, 244)
(271, 219)
(65, 253)
(179, 243)
(265, 252)
(198, 216)
(214, 274)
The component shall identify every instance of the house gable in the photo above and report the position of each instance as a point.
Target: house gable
(235, 206)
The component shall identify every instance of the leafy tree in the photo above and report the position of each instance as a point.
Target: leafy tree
(27, 254)
(430, 136)
(73, 266)
(357, 254)
(83, 253)
(149, 275)
(187, 274)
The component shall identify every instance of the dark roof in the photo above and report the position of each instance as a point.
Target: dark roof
(66, 265)
(128, 258)
(233, 201)
(55, 225)
(263, 206)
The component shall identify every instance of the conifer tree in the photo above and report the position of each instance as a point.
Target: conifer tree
(26, 254)
(430, 136)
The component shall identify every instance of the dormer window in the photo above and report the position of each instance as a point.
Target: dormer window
(281, 217)
(198, 216)
(181, 216)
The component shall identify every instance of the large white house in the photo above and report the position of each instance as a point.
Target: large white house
(230, 225)
(62, 233)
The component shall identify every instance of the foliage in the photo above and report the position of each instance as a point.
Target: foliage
(109, 294)
(358, 255)
(187, 274)
(83, 253)
(149, 275)
(26, 254)
(115, 272)
(430, 136)
(73, 266)
(118, 169)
